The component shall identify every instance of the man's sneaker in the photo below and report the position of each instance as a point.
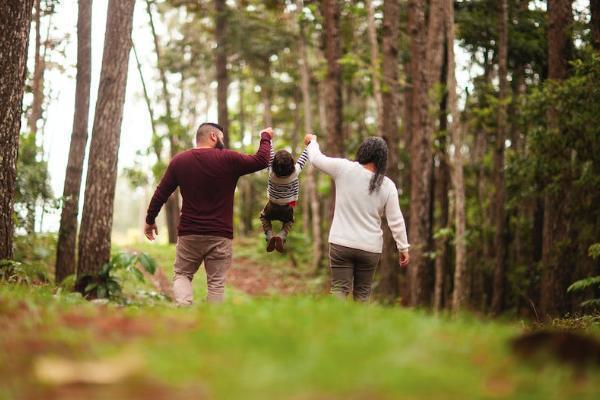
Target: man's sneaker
(271, 243)
(279, 242)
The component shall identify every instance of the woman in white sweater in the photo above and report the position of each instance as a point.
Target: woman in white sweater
(363, 195)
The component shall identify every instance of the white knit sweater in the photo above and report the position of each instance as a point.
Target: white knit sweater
(357, 216)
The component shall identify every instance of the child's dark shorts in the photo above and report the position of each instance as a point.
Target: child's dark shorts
(277, 212)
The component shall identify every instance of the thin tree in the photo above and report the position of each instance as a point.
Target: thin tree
(459, 295)
(333, 80)
(221, 65)
(67, 233)
(555, 271)
(595, 23)
(172, 206)
(97, 218)
(37, 86)
(15, 17)
(311, 185)
(441, 188)
(500, 195)
(375, 64)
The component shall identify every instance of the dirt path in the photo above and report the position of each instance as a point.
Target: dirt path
(261, 280)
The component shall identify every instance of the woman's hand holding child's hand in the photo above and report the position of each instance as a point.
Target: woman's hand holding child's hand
(309, 138)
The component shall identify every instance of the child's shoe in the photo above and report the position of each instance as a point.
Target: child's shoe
(270, 241)
(279, 242)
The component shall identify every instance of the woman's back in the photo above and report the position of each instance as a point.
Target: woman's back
(358, 212)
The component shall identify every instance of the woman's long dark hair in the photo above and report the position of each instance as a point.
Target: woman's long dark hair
(374, 149)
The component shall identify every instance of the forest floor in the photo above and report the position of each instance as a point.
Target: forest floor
(275, 337)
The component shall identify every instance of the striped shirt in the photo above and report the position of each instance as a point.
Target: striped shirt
(285, 190)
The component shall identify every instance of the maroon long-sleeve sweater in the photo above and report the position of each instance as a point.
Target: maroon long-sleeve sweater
(207, 180)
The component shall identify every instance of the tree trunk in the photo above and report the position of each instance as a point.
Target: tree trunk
(96, 222)
(67, 233)
(374, 47)
(37, 87)
(221, 65)
(333, 79)
(266, 100)
(441, 188)
(500, 196)
(424, 69)
(388, 287)
(311, 185)
(555, 272)
(15, 17)
(595, 23)
(172, 206)
(146, 94)
(459, 296)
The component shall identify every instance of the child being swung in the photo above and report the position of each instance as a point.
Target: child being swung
(282, 191)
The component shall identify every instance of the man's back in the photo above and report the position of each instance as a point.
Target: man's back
(207, 178)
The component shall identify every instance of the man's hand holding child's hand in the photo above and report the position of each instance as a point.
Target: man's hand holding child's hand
(268, 131)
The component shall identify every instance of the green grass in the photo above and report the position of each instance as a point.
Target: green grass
(276, 348)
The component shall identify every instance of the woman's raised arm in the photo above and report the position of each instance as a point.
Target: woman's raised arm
(331, 166)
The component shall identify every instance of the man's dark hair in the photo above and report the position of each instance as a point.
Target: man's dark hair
(206, 128)
(283, 164)
(374, 149)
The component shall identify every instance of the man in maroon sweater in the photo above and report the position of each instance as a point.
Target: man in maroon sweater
(207, 176)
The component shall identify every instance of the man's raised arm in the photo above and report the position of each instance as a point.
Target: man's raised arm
(247, 164)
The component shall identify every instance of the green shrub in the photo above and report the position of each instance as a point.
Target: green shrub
(106, 285)
(591, 282)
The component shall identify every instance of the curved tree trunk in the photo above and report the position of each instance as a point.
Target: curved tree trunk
(172, 207)
(67, 233)
(15, 18)
(97, 218)
(500, 195)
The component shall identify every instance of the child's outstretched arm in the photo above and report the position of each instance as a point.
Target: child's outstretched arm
(302, 160)
(271, 156)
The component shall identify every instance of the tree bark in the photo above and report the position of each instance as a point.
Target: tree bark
(595, 23)
(459, 295)
(441, 188)
(37, 87)
(97, 218)
(311, 182)
(374, 47)
(555, 270)
(67, 233)
(388, 287)
(499, 195)
(221, 65)
(425, 64)
(15, 17)
(333, 80)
